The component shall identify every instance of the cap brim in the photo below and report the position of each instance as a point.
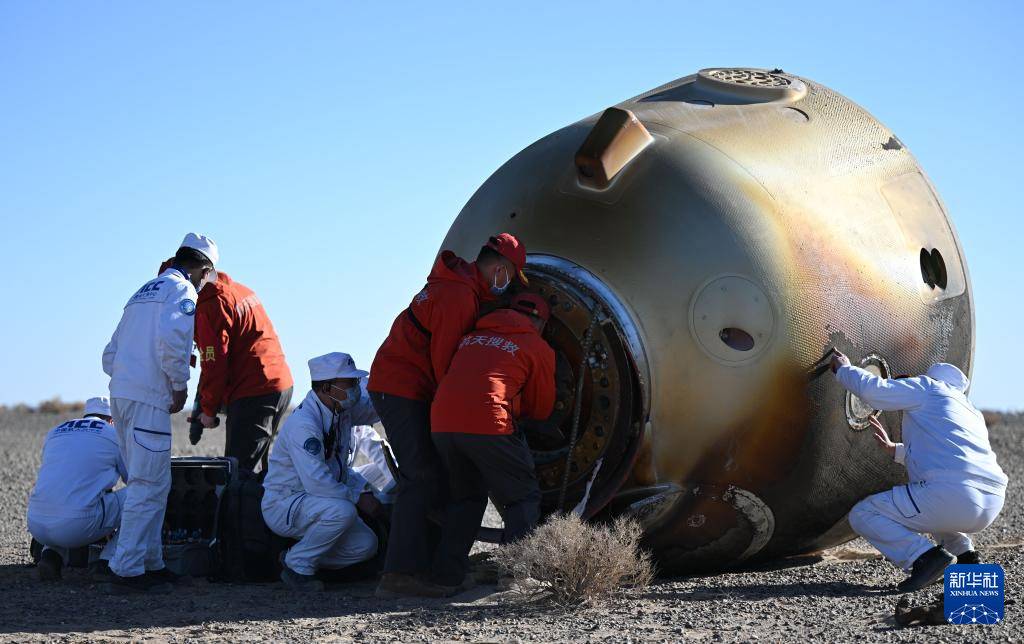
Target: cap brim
(522, 278)
(355, 373)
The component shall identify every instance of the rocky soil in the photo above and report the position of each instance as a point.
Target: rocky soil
(840, 595)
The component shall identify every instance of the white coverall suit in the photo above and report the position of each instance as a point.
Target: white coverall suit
(311, 495)
(956, 486)
(148, 358)
(72, 504)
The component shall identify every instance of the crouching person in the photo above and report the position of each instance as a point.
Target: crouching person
(502, 370)
(311, 491)
(956, 486)
(72, 504)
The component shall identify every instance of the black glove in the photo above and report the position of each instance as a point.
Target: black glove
(195, 431)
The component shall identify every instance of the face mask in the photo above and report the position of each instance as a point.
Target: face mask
(352, 395)
(498, 290)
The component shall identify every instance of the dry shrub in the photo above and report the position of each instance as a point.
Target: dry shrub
(58, 406)
(573, 564)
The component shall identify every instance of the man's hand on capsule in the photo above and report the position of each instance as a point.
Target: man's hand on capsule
(882, 437)
(838, 360)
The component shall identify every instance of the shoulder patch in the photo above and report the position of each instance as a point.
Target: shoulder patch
(188, 307)
(312, 446)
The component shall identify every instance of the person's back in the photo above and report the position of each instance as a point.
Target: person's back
(503, 369)
(238, 345)
(73, 503)
(243, 370)
(81, 460)
(944, 435)
(415, 355)
(144, 357)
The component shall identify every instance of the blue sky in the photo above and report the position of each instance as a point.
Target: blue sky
(327, 147)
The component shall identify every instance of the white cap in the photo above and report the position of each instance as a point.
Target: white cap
(99, 405)
(949, 374)
(204, 245)
(332, 366)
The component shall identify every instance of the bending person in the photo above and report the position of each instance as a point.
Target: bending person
(956, 486)
(502, 370)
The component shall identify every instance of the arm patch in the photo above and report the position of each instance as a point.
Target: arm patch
(188, 307)
(312, 445)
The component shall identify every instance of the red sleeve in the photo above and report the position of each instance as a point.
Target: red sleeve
(452, 316)
(538, 398)
(213, 324)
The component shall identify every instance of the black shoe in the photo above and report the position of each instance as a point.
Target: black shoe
(969, 557)
(100, 571)
(164, 575)
(138, 584)
(297, 581)
(928, 568)
(49, 566)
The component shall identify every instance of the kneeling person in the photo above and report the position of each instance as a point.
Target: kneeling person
(502, 370)
(72, 504)
(956, 486)
(312, 492)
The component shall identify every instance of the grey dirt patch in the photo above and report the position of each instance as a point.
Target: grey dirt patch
(840, 595)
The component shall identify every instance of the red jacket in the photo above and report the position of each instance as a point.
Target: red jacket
(238, 347)
(502, 370)
(423, 337)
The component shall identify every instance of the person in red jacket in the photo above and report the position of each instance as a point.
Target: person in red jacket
(403, 377)
(502, 370)
(243, 369)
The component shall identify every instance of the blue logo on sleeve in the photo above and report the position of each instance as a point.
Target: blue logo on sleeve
(188, 307)
(312, 446)
(974, 594)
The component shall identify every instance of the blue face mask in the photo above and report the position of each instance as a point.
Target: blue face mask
(498, 290)
(352, 396)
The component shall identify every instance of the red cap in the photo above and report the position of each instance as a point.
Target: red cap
(511, 249)
(532, 304)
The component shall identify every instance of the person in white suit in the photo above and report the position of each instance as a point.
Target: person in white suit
(955, 487)
(73, 503)
(312, 490)
(147, 360)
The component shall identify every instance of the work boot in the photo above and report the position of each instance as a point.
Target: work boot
(164, 575)
(396, 584)
(927, 569)
(297, 581)
(99, 571)
(49, 566)
(969, 557)
(138, 584)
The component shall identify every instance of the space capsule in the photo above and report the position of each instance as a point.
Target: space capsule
(703, 246)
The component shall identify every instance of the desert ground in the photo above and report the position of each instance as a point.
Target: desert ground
(840, 595)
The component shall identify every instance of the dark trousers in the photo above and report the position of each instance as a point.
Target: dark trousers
(479, 465)
(407, 425)
(251, 425)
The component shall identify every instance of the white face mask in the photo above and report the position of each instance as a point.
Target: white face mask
(498, 290)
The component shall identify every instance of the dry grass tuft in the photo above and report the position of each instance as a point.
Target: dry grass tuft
(574, 564)
(53, 406)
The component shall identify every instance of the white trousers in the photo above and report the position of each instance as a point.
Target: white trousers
(145, 435)
(893, 521)
(330, 531)
(60, 533)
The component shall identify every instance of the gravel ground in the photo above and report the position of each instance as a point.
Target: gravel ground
(838, 596)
